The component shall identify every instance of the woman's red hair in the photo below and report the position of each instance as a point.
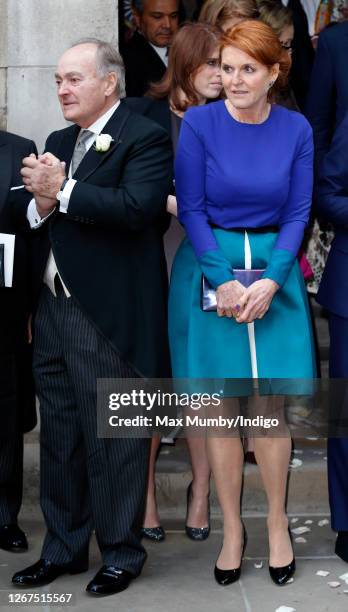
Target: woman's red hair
(262, 44)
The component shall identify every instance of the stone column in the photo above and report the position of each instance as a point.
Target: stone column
(33, 34)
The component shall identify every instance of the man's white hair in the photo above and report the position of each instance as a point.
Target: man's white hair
(108, 60)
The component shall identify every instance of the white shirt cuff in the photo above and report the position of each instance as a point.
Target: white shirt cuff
(65, 197)
(33, 216)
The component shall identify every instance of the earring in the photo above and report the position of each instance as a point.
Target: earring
(270, 84)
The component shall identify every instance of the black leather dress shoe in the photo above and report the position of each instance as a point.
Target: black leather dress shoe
(156, 534)
(341, 547)
(109, 580)
(43, 572)
(225, 577)
(13, 538)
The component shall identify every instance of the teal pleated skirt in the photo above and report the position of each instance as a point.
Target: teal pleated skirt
(204, 345)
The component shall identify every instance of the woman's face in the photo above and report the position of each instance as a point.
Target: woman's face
(207, 79)
(245, 81)
(286, 37)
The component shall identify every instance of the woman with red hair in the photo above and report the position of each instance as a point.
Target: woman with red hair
(243, 175)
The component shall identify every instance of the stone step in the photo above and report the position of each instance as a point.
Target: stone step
(307, 483)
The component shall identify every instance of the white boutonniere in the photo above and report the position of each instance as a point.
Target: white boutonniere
(103, 142)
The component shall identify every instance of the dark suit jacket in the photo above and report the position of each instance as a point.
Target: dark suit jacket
(333, 206)
(109, 245)
(303, 54)
(327, 100)
(17, 400)
(157, 110)
(143, 65)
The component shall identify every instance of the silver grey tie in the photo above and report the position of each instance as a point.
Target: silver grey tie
(80, 150)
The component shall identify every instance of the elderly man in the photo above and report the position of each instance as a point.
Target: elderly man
(17, 398)
(99, 193)
(146, 55)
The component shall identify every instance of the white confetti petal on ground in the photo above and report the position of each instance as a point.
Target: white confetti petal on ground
(334, 584)
(294, 520)
(318, 452)
(297, 451)
(294, 463)
(344, 576)
(323, 522)
(311, 438)
(309, 522)
(300, 540)
(258, 565)
(325, 458)
(323, 573)
(300, 530)
(285, 609)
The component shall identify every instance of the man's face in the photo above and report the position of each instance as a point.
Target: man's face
(159, 21)
(83, 94)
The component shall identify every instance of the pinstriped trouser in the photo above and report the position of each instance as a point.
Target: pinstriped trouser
(85, 481)
(11, 477)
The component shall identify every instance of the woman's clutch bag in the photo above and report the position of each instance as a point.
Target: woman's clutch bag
(208, 294)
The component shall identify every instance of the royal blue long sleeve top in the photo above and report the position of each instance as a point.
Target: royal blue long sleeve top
(232, 174)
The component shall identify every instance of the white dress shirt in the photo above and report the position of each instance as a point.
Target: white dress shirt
(162, 52)
(33, 216)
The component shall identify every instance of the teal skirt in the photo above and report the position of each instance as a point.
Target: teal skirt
(204, 345)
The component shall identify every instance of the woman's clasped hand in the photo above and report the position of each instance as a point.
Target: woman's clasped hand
(245, 304)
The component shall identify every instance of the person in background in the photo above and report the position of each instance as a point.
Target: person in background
(146, 55)
(226, 13)
(279, 17)
(17, 396)
(192, 79)
(242, 216)
(332, 206)
(327, 100)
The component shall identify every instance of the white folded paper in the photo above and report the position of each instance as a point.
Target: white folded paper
(9, 241)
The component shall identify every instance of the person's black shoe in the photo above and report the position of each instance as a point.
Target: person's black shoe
(43, 572)
(156, 534)
(198, 534)
(341, 547)
(225, 577)
(109, 580)
(282, 575)
(13, 538)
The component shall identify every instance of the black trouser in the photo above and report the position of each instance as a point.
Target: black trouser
(11, 477)
(85, 480)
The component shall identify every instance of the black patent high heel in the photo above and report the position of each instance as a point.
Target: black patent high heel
(281, 575)
(225, 577)
(198, 534)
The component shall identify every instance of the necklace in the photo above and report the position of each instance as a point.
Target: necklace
(233, 113)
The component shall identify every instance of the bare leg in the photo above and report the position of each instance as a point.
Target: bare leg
(198, 507)
(273, 456)
(151, 517)
(226, 459)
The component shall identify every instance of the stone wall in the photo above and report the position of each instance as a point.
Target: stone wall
(33, 34)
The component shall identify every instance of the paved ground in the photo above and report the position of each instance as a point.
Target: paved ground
(178, 575)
